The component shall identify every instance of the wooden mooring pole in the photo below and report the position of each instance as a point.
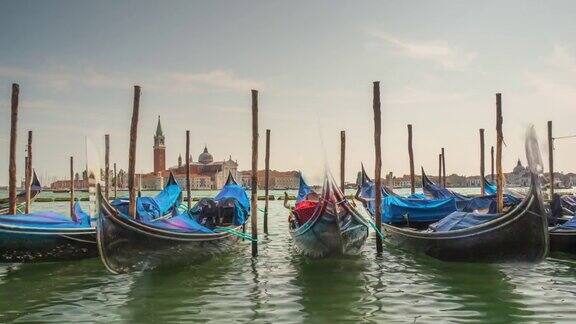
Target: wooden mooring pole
(443, 168)
(72, 214)
(377, 164)
(482, 171)
(26, 186)
(499, 140)
(12, 163)
(266, 181)
(411, 156)
(115, 182)
(254, 196)
(343, 161)
(107, 166)
(551, 158)
(492, 164)
(132, 153)
(440, 169)
(188, 190)
(28, 181)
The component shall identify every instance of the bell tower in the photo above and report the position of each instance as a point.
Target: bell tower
(159, 149)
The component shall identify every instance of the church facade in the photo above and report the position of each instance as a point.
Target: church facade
(205, 173)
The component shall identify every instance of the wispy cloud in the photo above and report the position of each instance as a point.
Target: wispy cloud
(562, 57)
(60, 78)
(437, 51)
(557, 79)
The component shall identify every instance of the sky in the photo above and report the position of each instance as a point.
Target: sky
(440, 64)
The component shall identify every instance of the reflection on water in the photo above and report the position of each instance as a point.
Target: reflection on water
(330, 289)
(281, 286)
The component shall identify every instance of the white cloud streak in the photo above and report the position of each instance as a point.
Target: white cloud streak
(557, 79)
(437, 51)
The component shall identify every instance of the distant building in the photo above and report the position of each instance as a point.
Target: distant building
(65, 184)
(278, 180)
(206, 174)
(159, 149)
(519, 177)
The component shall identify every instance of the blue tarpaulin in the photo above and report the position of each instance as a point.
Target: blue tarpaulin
(396, 209)
(465, 204)
(489, 188)
(461, 220)
(187, 221)
(303, 189)
(48, 219)
(149, 208)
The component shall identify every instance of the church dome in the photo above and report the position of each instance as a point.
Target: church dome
(518, 168)
(205, 157)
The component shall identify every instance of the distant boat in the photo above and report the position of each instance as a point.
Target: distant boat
(35, 189)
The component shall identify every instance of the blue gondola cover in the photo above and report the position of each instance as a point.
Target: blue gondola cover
(461, 220)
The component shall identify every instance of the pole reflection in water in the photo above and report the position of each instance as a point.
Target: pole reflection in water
(331, 289)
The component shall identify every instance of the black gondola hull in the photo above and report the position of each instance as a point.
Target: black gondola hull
(336, 228)
(325, 238)
(126, 245)
(23, 246)
(520, 235)
(563, 241)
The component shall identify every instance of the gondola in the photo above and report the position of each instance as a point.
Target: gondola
(563, 237)
(49, 236)
(334, 226)
(562, 224)
(35, 189)
(210, 227)
(519, 234)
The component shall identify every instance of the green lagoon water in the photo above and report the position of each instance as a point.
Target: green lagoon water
(281, 286)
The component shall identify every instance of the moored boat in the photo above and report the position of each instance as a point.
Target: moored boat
(562, 224)
(210, 227)
(518, 234)
(47, 236)
(326, 224)
(50, 236)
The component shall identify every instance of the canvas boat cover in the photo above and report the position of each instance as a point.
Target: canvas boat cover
(461, 220)
(186, 222)
(150, 208)
(464, 203)
(47, 219)
(303, 189)
(396, 209)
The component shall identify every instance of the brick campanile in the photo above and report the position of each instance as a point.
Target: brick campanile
(159, 149)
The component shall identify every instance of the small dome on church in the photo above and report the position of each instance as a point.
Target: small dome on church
(205, 157)
(518, 168)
